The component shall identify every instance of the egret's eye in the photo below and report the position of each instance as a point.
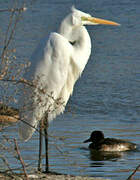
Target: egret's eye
(72, 42)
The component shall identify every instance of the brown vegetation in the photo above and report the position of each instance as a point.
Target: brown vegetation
(8, 114)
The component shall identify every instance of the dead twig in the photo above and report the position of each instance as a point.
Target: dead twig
(8, 40)
(9, 36)
(134, 172)
(13, 9)
(20, 158)
(22, 80)
(34, 85)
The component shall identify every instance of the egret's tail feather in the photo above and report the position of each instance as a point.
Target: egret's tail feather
(25, 131)
(25, 135)
(29, 120)
(27, 126)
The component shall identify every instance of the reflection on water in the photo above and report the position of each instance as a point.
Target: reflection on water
(103, 156)
(107, 96)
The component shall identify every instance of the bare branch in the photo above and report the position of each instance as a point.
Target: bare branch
(8, 40)
(134, 172)
(10, 31)
(13, 9)
(22, 80)
(20, 158)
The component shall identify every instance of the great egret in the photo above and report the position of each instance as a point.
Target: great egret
(56, 66)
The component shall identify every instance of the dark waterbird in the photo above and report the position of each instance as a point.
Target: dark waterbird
(100, 143)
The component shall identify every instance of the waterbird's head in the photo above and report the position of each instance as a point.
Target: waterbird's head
(95, 136)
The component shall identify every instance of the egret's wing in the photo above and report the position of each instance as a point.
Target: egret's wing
(49, 71)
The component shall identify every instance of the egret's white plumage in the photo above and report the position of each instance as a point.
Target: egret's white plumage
(56, 66)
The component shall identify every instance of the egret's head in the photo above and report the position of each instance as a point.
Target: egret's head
(72, 25)
(81, 18)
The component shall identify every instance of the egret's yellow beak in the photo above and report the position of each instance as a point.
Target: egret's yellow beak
(99, 21)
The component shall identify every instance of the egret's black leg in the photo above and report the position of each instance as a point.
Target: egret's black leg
(40, 146)
(46, 143)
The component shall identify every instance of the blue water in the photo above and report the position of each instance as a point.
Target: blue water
(106, 97)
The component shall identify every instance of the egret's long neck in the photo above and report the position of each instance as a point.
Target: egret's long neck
(80, 40)
(82, 47)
